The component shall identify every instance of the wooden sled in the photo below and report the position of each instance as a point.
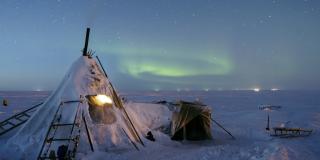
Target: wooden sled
(284, 132)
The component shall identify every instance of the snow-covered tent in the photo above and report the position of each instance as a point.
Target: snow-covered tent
(64, 119)
(191, 121)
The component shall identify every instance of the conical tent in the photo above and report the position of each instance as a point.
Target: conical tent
(191, 121)
(67, 117)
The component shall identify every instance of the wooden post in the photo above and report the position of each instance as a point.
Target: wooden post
(5, 102)
(85, 49)
(268, 123)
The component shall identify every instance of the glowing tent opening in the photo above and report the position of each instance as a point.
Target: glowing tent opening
(99, 100)
(103, 99)
(100, 109)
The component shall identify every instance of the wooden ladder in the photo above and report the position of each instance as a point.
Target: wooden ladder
(17, 119)
(71, 140)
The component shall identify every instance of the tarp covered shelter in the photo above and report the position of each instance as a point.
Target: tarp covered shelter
(191, 121)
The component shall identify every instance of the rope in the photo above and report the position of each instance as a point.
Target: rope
(222, 128)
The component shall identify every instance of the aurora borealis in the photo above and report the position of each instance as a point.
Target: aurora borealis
(136, 62)
(164, 44)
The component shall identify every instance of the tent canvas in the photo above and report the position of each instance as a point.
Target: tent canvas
(64, 107)
(191, 121)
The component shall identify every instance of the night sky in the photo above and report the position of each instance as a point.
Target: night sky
(164, 44)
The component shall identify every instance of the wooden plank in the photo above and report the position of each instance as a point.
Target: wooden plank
(88, 132)
(64, 124)
(60, 139)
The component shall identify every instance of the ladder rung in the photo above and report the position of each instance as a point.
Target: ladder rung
(21, 115)
(25, 114)
(64, 124)
(4, 123)
(74, 101)
(8, 122)
(45, 157)
(60, 139)
(19, 119)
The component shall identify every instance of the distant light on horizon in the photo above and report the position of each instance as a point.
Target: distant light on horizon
(37, 89)
(275, 89)
(256, 89)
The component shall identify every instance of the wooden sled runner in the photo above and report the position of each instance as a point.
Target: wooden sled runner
(284, 132)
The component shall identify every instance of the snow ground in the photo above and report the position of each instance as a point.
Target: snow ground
(236, 110)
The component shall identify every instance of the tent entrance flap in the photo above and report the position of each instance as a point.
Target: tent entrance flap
(191, 121)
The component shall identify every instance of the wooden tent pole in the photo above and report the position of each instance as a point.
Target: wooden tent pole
(87, 130)
(222, 127)
(135, 146)
(120, 103)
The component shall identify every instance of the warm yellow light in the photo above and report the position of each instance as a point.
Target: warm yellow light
(103, 99)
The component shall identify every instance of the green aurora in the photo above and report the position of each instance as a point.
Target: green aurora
(138, 62)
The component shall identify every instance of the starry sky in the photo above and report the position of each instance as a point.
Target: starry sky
(164, 44)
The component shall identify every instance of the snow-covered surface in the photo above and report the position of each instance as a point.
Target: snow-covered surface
(237, 110)
(19, 100)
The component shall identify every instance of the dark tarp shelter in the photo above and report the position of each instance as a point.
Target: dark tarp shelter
(191, 121)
